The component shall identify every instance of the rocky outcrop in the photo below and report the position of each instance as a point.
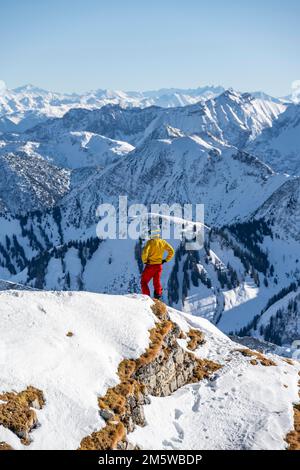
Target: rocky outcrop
(17, 413)
(5, 446)
(293, 438)
(196, 339)
(256, 357)
(161, 370)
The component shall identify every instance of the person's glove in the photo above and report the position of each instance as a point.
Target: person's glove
(164, 261)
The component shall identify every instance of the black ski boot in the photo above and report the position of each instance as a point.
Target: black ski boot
(157, 296)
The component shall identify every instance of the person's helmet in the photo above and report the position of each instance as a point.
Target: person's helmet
(154, 233)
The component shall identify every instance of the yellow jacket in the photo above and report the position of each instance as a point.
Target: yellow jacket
(154, 249)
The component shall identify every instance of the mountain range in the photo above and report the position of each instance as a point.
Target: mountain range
(89, 363)
(27, 105)
(237, 153)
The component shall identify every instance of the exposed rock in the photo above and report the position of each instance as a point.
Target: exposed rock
(196, 339)
(160, 371)
(293, 438)
(289, 361)
(16, 412)
(106, 414)
(5, 446)
(256, 357)
(106, 438)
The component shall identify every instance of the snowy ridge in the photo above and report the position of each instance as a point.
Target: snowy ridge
(69, 150)
(237, 409)
(222, 414)
(231, 117)
(28, 105)
(99, 138)
(182, 170)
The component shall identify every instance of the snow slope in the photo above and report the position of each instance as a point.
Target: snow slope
(281, 246)
(280, 323)
(283, 209)
(179, 170)
(71, 371)
(242, 407)
(69, 150)
(279, 145)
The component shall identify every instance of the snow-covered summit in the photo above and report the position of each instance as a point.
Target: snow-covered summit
(62, 352)
(183, 170)
(231, 117)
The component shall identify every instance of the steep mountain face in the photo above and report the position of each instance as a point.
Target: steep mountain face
(241, 117)
(28, 182)
(186, 372)
(279, 145)
(279, 321)
(110, 121)
(181, 170)
(282, 209)
(99, 138)
(232, 118)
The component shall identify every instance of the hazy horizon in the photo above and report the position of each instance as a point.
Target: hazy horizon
(76, 46)
(184, 88)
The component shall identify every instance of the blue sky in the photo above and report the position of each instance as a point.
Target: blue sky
(78, 45)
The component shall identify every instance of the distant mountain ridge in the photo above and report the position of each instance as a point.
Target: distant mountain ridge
(25, 106)
(218, 151)
(103, 137)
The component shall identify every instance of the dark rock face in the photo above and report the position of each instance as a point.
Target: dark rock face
(173, 368)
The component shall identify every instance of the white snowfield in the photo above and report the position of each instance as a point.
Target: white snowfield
(241, 407)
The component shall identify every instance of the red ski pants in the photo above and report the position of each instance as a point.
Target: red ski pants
(151, 271)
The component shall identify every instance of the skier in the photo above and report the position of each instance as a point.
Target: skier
(152, 257)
